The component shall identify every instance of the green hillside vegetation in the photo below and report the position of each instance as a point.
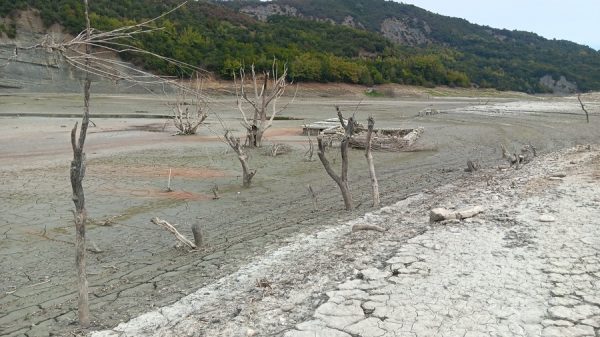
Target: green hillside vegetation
(215, 36)
(491, 57)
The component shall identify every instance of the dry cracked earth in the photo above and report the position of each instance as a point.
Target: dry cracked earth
(528, 266)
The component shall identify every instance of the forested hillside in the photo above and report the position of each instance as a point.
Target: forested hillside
(222, 36)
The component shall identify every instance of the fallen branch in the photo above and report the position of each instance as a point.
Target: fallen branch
(172, 229)
(363, 227)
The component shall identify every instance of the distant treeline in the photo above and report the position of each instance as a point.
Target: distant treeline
(218, 38)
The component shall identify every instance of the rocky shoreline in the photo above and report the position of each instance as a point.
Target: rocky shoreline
(529, 265)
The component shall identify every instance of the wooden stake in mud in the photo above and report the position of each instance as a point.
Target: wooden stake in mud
(341, 180)
(169, 182)
(369, 156)
(77, 174)
(313, 196)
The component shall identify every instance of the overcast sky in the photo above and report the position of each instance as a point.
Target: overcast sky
(574, 20)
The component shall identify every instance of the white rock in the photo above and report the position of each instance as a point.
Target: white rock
(440, 214)
(547, 218)
(469, 212)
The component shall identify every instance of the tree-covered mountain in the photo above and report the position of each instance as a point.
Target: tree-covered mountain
(355, 41)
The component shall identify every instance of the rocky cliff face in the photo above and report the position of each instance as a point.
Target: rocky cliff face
(406, 31)
(560, 86)
(36, 70)
(265, 11)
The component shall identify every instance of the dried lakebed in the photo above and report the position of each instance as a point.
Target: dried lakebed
(138, 268)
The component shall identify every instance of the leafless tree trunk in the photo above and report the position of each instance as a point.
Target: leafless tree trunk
(234, 143)
(369, 155)
(341, 180)
(77, 174)
(266, 94)
(96, 63)
(587, 115)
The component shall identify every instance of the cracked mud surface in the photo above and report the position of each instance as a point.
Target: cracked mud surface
(138, 268)
(507, 272)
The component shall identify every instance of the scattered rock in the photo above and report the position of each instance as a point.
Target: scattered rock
(547, 218)
(375, 274)
(440, 214)
(469, 212)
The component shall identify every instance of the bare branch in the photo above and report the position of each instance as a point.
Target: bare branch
(587, 115)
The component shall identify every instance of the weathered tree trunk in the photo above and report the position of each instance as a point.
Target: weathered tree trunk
(234, 143)
(342, 180)
(77, 174)
(369, 156)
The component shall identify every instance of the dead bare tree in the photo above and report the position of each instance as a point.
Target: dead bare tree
(340, 180)
(369, 156)
(234, 143)
(188, 115)
(77, 174)
(87, 52)
(587, 115)
(265, 95)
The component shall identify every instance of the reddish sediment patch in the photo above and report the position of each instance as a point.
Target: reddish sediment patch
(155, 171)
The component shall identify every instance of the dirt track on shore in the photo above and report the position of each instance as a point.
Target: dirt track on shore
(129, 159)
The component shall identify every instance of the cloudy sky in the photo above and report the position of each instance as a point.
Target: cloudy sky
(574, 20)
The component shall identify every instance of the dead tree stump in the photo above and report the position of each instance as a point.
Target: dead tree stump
(234, 143)
(198, 235)
(342, 179)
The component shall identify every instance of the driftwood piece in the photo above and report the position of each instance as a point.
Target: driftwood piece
(366, 227)
(174, 231)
